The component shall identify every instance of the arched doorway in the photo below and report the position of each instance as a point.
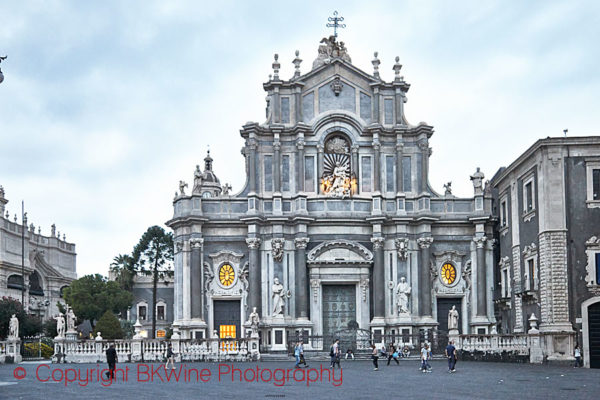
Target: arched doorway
(590, 311)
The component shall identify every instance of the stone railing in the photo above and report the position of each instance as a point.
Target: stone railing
(10, 351)
(143, 350)
(517, 343)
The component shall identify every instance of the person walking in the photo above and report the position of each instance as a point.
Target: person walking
(297, 355)
(170, 357)
(577, 356)
(375, 357)
(302, 359)
(425, 356)
(111, 359)
(392, 354)
(451, 356)
(335, 354)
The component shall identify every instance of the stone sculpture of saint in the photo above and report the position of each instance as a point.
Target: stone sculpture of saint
(278, 297)
(60, 325)
(70, 320)
(13, 327)
(254, 320)
(453, 318)
(403, 291)
(339, 180)
(197, 181)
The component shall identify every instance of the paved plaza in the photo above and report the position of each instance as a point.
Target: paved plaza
(358, 381)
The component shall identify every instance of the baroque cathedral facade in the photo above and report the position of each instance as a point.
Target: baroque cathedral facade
(337, 225)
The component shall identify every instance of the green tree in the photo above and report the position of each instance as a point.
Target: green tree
(92, 295)
(123, 266)
(153, 256)
(28, 324)
(109, 326)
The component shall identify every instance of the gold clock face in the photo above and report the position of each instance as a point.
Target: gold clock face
(226, 275)
(448, 273)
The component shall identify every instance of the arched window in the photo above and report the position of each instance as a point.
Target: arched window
(15, 282)
(35, 284)
(338, 179)
(62, 291)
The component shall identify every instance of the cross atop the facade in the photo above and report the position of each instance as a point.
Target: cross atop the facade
(336, 23)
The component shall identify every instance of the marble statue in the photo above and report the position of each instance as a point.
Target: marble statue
(226, 188)
(70, 320)
(278, 297)
(403, 290)
(60, 325)
(453, 318)
(197, 181)
(330, 49)
(254, 321)
(182, 186)
(448, 187)
(13, 327)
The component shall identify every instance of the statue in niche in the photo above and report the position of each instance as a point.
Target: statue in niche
(278, 297)
(197, 181)
(403, 290)
(60, 325)
(277, 249)
(13, 327)
(453, 318)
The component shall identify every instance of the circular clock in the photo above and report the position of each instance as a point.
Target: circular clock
(226, 275)
(448, 274)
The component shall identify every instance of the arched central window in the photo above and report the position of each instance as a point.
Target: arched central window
(338, 179)
(35, 286)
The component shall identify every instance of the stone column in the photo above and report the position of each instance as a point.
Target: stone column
(277, 165)
(376, 105)
(399, 180)
(254, 275)
(300, 165)
(178, 292)
(376, 166)
(481, 277)
(301, 294)
(319, 167)
(298, 105)
(425, 276)
(196, 291)
(378, 278)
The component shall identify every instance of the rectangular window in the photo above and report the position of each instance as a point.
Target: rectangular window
(503, 219)
(388, 111)
(285, 110)
(285, 173)
(389, 174)
(142, 313)
(531, 268)
(309, 174)
(268, 164)
(365, 174)
(160, 312)
(529, 196)
(597, 268)
(406, 174)
(596, 184)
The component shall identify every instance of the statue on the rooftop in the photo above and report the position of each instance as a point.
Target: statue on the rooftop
(330, 49)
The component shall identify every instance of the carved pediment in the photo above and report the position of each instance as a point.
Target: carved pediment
(340, 252)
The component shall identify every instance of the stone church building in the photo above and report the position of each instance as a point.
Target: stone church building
(337, 225)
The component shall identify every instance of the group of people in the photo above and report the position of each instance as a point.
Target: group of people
(393, 354)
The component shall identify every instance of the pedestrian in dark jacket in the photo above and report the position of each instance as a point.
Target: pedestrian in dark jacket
(170, 357)
(111, 359)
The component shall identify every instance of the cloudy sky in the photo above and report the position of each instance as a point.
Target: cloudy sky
(106, 105)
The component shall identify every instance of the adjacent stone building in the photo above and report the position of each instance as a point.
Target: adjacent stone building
(49, 263)
(547, 204)
(337, 225)
(142, 305)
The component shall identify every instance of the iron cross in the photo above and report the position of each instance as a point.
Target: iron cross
(336, 23)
